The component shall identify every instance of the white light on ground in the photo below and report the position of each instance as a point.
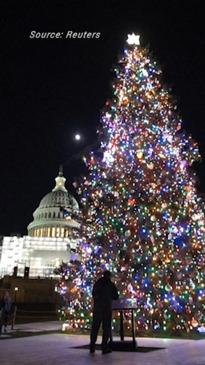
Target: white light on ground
(65, 326)
(201, 329)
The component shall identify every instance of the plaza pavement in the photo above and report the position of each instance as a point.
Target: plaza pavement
(60, 349)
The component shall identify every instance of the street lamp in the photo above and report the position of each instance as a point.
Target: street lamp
(15, 293)
(13, 316)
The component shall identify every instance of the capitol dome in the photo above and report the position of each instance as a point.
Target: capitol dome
(57, 213)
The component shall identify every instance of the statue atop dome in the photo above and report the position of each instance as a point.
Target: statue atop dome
(60, 180)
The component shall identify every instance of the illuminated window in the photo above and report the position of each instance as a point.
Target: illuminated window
(53, 232)
(62, 232)
(49, 232)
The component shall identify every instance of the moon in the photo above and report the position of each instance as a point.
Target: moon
(77, 137)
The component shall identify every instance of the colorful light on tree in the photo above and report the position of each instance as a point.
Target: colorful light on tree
(142, 217)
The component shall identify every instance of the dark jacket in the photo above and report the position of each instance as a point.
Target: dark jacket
(104, 291)
(6, 305)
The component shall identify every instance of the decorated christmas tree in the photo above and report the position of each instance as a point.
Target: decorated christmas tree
(142, 216)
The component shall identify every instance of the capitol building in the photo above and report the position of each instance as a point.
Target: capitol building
(52, 235)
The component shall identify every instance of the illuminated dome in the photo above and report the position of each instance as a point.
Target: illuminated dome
(57, 213)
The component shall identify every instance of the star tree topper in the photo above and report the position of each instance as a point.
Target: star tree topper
(133, 39)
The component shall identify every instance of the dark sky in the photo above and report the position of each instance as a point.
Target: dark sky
(52, 88)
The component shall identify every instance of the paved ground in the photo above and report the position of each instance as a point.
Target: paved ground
(59, 349)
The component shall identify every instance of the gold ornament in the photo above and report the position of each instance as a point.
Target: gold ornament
(139, 154)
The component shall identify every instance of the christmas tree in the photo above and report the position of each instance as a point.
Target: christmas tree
(142, 216)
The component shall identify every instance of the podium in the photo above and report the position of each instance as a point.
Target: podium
(125, 305)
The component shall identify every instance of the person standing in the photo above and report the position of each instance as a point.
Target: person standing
(6, 305)
(104, 292)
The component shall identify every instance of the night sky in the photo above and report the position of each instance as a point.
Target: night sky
(51, 88)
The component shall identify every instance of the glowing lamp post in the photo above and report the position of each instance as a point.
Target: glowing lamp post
(15, 293)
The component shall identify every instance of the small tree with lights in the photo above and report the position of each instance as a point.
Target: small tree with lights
(143, 219)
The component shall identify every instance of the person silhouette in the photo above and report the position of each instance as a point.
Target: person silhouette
(6, 305)
(104, 292)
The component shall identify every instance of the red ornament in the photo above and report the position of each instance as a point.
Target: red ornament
(131, 201)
